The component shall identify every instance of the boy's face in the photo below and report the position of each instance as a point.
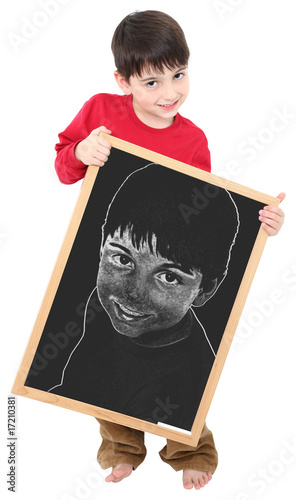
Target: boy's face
(142, 291)
(157, 97)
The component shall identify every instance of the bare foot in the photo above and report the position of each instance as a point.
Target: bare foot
(195, 478)
(119, 472)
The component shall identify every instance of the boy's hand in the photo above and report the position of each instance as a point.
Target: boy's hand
(94, 150)
(272, 218)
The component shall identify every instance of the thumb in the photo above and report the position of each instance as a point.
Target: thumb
(97, 131)
(281, 196)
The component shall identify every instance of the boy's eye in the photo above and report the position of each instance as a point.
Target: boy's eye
(169, 278)
(151, 84)
(122, 261)
(178, 76)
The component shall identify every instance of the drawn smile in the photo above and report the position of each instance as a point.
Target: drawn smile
(123, 312)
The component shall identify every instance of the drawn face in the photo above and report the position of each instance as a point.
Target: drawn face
(142, 291)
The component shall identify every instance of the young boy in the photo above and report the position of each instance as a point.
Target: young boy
(151, 57)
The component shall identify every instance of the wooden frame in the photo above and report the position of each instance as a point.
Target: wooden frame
(187, 437)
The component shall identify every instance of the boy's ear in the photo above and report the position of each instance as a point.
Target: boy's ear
(122, 83)
(206, 292)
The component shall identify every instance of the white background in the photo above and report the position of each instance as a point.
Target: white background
(242, 72)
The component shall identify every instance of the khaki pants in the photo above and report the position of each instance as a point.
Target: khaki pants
(125, 445)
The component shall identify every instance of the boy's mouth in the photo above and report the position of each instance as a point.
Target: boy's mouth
(170, 106)
(128, 314)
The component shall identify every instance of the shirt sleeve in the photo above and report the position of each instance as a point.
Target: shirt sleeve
(202, 156)
(68, 168)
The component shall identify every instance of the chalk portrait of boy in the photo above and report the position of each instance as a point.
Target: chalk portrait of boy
(165, 249)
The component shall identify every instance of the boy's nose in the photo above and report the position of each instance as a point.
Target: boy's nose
(136, 291)
(169, 93)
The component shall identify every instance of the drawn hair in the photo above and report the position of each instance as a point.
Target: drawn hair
(148, 39)
(151, 202)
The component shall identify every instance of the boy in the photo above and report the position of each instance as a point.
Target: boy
(151, 57)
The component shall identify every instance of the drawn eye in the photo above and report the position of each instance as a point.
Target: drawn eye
(122, 261)
(169, 278)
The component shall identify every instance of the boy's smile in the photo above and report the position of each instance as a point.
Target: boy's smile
(128, 314)
(140, 290)
(157, 97)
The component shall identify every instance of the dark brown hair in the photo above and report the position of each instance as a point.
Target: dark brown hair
(202, 241)
(148, 39)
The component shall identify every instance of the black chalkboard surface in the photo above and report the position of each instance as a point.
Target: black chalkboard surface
(146, 294)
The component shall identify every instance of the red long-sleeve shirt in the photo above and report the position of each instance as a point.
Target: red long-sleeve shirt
(182, 140)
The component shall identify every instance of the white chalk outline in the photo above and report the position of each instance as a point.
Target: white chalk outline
(83, 333)
(191, 307)
(84, 321)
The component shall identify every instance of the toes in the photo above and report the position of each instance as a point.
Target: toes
(187, 481)
(202, 481)
(112, 478)
(199, 483)
(118, 473)
(198, 479)
(109, 478)
(205, 478)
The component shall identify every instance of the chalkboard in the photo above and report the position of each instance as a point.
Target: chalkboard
(146, 294)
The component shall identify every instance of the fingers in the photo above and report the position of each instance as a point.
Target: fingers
(99, 159)
(95, 150)
(101, 154)
(272, 219)
(275, 213)
(97, 133)
(104, 146)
